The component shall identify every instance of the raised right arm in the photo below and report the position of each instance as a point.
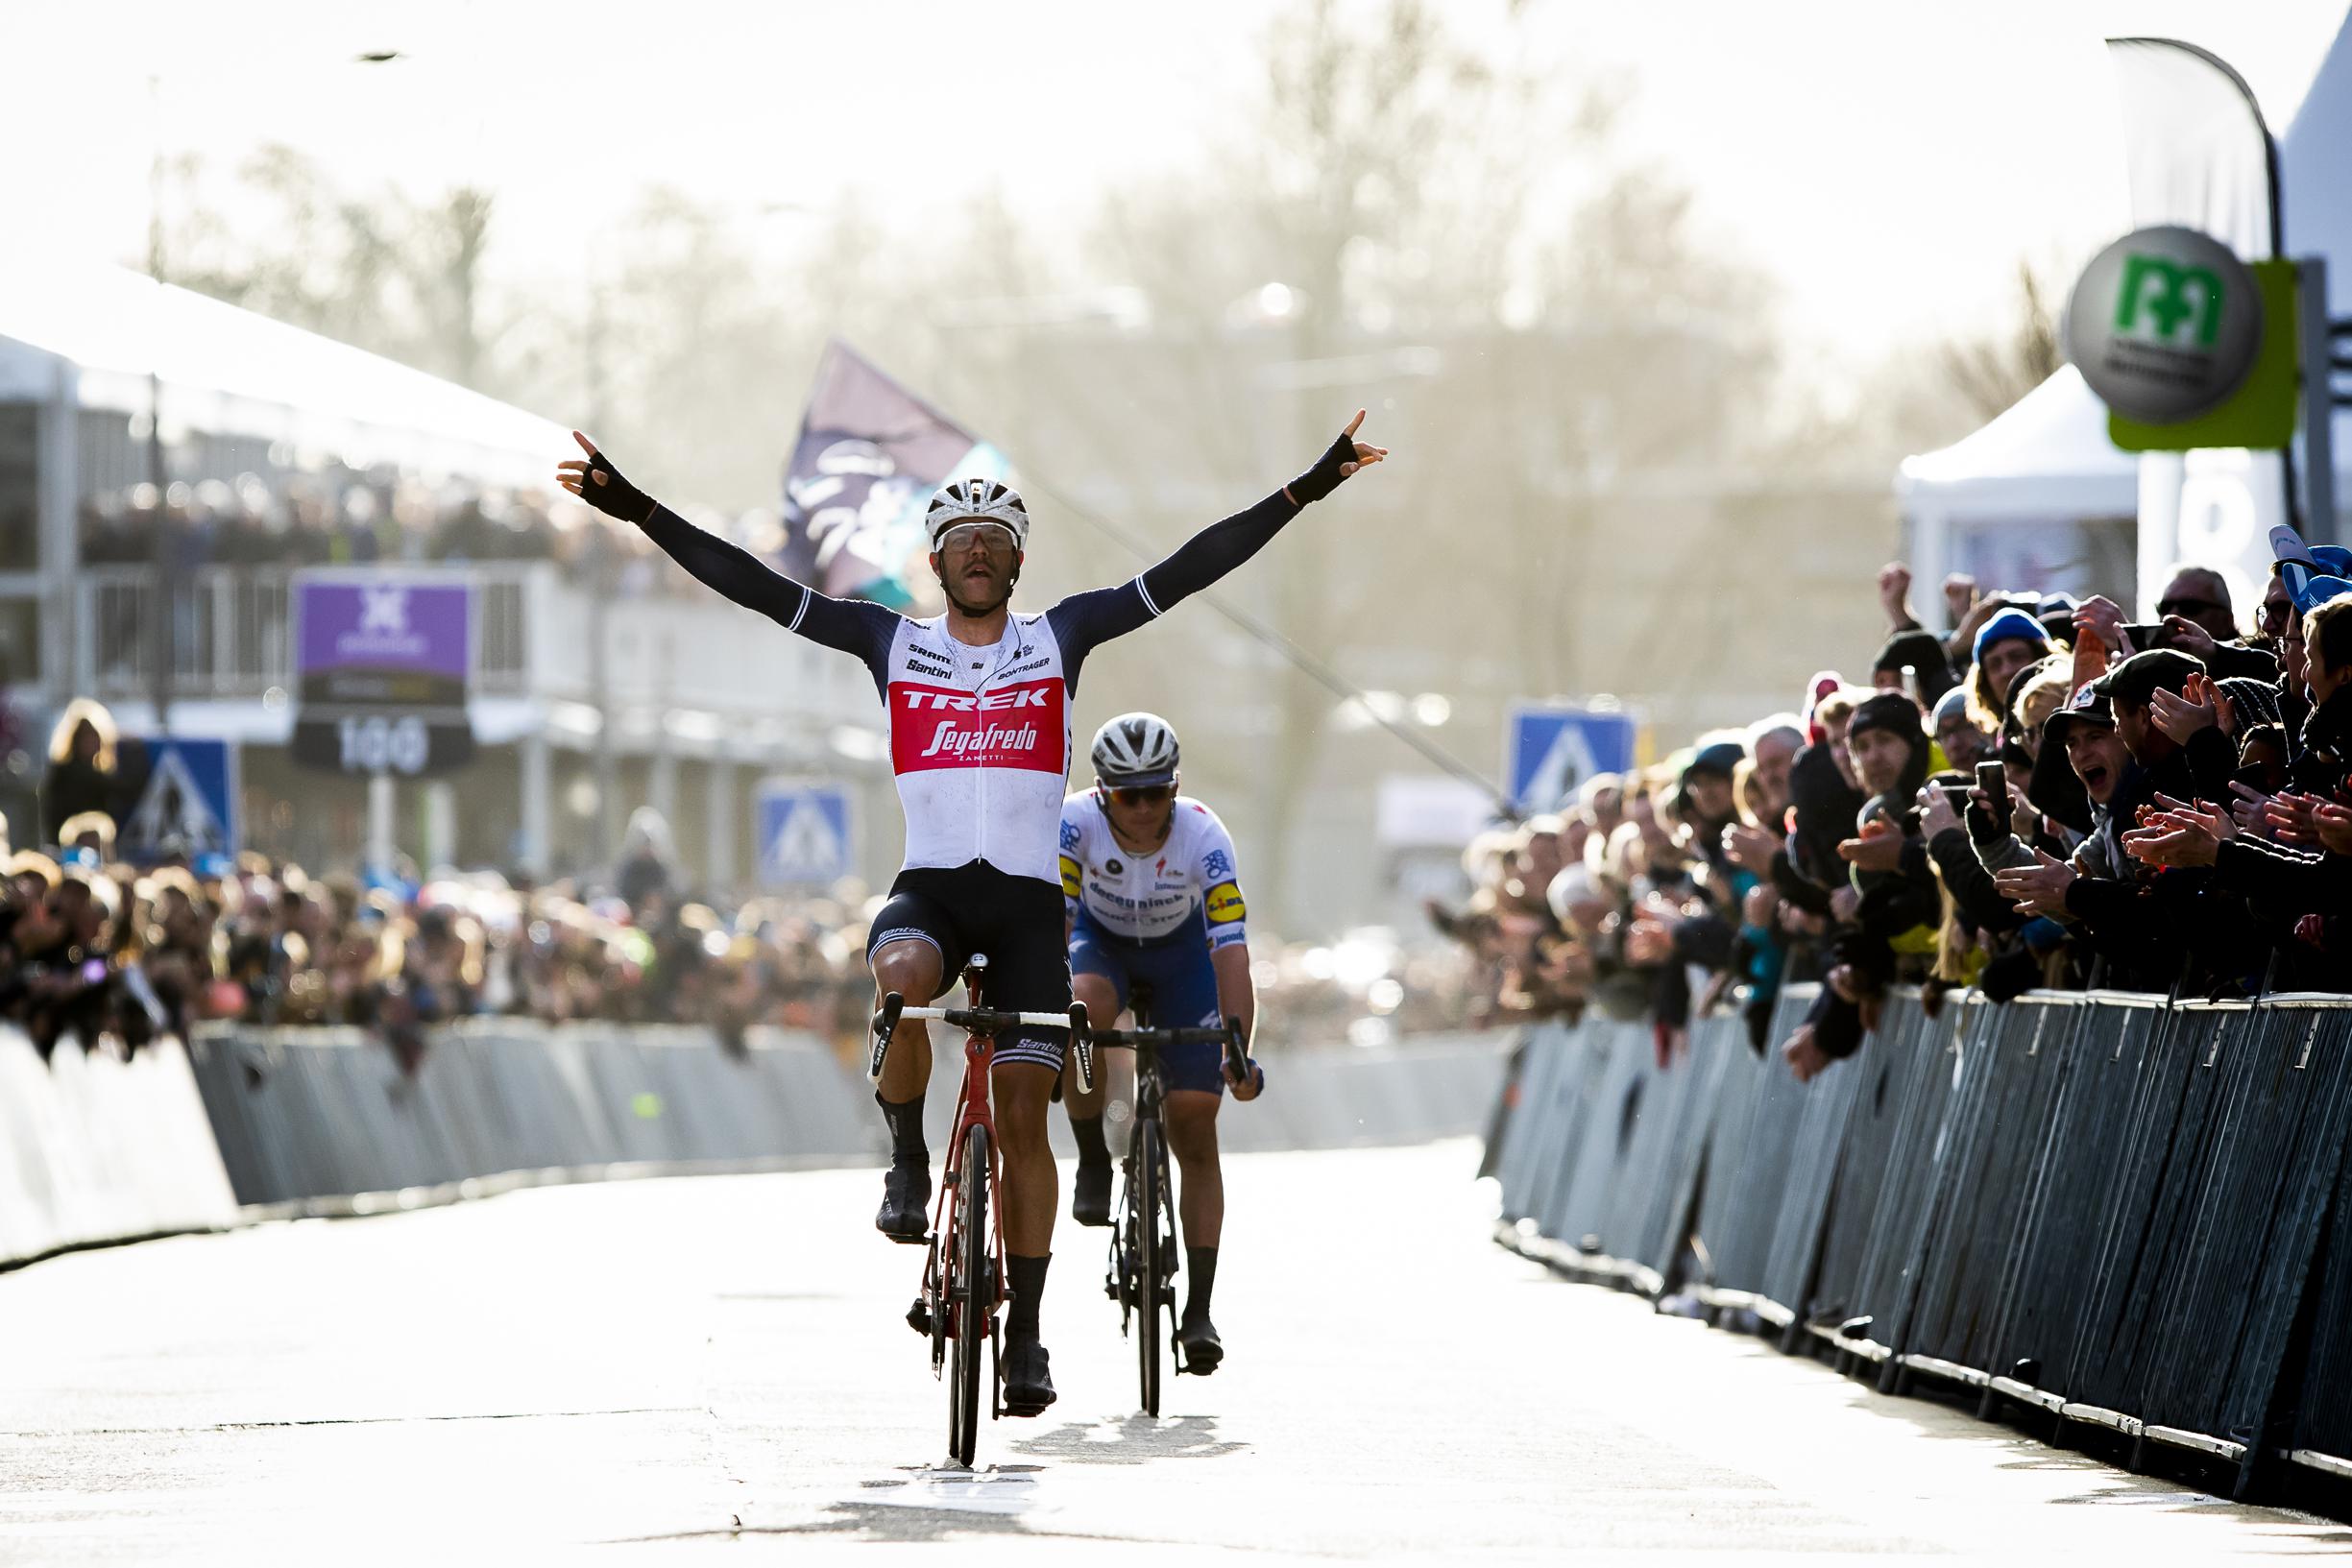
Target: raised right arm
(852, 626)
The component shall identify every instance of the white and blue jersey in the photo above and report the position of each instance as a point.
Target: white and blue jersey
(1155, 918)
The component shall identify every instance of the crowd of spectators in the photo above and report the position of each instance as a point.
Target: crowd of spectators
(2047, 796)
(93, 948)
(345, 517)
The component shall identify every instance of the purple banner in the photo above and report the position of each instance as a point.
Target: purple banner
(393, 625)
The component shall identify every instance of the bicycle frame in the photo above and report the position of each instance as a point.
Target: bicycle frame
(972, 1108)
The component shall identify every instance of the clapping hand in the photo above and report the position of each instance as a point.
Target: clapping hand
(2176, 833)
(2291, 819)
(2249, 807)
(2193, 709)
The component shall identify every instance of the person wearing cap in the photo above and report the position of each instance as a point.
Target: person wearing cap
(1892, 910)
(2142, 927)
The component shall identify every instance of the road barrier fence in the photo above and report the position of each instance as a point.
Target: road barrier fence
(2120, 1211)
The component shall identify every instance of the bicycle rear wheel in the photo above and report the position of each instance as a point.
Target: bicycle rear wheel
(970, 1297)
(1149, 1261)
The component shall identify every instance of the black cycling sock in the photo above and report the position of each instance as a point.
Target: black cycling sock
(1088, 1131)
(1201, 1260)
(1028, 1289)
(905, 1123)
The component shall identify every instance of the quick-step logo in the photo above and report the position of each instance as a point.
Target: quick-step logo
(1017, 726)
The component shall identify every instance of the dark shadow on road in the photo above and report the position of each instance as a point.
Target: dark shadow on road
(1139, 1439)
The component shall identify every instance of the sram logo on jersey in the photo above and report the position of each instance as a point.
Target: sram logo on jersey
(1017, 726)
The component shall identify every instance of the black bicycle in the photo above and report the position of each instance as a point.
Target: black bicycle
(1143, 1244)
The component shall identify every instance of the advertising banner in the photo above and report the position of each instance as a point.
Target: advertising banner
(380, 666)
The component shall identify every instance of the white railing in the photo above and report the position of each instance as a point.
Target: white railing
(231, 640)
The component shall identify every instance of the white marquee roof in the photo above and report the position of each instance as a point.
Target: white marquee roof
(228, 371)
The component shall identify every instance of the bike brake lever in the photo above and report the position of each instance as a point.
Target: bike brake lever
(886, 1023)
(1237, 1055)
(1081, 1046)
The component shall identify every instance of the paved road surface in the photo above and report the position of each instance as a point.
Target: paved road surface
(691, 1368)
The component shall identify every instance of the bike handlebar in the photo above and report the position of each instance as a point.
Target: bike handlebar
(1083, 1036)
(984, 1021)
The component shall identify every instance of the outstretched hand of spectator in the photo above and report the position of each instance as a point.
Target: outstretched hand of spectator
(2333, 822)
(2176, 833)
(1648, 942)
(2249, 807)
(1751, 849)
(1805, 1059)
(2102, 615)
(2037, 889)
(1879, 848)
(2291, 819)
(2186, 635)
(1936, 812)
(2182, 716)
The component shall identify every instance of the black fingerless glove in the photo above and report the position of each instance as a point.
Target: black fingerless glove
(1324, 476)
(614, 496)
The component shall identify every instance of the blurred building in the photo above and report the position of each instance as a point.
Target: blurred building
(589, 694)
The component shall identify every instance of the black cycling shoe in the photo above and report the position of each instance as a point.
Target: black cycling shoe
(905, 1193)
(1090, 1194)
(1028, 1386)
(1203, 1349)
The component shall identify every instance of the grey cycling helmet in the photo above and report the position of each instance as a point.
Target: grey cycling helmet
(1135, 750)
(978, 501)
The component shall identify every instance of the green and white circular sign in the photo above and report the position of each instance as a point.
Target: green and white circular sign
(2164, 324)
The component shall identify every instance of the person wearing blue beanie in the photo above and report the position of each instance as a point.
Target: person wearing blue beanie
(2005, 645)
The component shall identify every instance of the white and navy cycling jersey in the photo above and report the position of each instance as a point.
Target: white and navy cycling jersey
(1186, 888)
(979, 738)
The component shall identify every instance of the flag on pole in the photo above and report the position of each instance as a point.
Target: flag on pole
(868, 457)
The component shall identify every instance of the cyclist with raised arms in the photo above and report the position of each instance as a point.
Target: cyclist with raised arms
(1152, 892)
(978, 702)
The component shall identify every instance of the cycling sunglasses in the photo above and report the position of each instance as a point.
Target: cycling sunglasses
(964, 535)
(1143, 794)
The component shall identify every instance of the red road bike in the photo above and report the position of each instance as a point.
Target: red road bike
(964, 1265)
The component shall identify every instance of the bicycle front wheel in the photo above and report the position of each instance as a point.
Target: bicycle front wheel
(970, 1297)
(1149, 1257)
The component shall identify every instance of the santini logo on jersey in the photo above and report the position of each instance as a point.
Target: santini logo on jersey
(1014, 727)
(1224, 903)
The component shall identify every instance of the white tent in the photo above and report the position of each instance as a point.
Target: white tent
(92, 336)
(2042, 481)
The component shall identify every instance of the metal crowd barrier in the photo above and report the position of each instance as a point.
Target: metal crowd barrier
(324, 1120)
(2119, 1211)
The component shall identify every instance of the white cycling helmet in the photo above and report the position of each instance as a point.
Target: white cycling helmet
(1135, 750)
(977, 500)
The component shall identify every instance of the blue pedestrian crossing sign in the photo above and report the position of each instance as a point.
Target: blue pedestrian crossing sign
(806, 833)
(1552, 748)
(188, 806)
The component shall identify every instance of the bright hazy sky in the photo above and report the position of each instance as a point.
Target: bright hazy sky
(1888, 160)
